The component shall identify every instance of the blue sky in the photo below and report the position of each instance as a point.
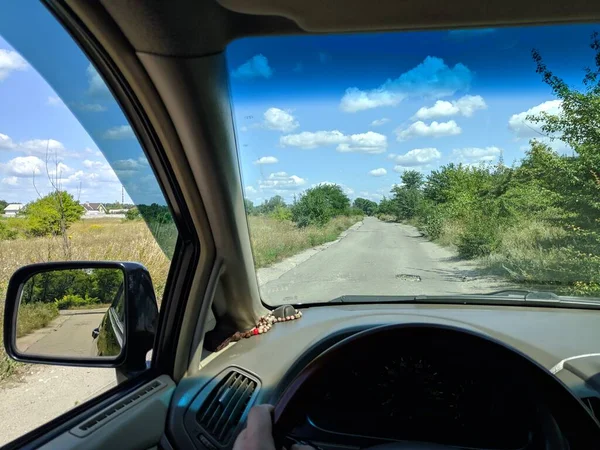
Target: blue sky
(358, 110)
(355, 110)
(58, 119)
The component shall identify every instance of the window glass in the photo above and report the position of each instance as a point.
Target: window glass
(74, 185)
(421, 163)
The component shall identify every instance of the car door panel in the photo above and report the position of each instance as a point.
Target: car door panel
(136, 421)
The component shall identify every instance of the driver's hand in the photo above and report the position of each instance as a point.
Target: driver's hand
(258, 434)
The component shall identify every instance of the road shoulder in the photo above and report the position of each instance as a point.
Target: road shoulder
(273, 272)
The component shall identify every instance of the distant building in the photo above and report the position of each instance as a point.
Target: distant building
(118, 211)
(94, 209)
(12, 209)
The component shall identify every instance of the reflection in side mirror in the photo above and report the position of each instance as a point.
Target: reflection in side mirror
(72, 313)
(81, 313)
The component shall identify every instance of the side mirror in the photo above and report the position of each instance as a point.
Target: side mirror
(91, 314)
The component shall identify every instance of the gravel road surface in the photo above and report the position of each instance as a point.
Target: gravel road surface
(378, 258)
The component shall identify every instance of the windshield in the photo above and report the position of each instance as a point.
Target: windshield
(421, 163)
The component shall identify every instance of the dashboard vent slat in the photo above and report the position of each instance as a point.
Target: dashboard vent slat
(226, 405)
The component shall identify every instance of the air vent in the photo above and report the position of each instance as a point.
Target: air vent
(100, 419)
(223, 410)
(593, 404)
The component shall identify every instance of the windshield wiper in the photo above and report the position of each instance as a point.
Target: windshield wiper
(507, 297)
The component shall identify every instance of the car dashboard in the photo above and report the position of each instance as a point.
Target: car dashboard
(409, 391)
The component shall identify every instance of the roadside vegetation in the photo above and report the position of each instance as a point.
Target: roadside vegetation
(51, 229)
(536, 222)
(318, 215)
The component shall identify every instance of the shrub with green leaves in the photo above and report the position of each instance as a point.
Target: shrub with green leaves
(51, 214)
(316, 206)
(71, 301)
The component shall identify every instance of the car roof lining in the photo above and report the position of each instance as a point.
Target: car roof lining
(204, 27)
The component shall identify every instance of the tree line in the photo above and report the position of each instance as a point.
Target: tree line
(73, 288)
(315, 206)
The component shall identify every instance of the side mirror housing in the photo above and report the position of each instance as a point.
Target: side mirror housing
(89, 314)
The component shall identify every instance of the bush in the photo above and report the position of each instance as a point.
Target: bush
(318, 205)
(75, 301)
(478, 239)
(281, 213)
(34, 316)
(133, 214)
(50, 214)
(7, 232)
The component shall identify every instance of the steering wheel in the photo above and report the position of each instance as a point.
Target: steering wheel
(562, 422)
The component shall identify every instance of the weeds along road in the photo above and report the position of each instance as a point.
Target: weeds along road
(379, 258)
(374, 258)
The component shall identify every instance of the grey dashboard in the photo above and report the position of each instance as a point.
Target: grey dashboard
(565, 341)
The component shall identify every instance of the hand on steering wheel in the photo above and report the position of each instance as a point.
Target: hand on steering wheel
(258, 434)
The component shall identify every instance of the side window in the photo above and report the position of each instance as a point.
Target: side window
(74, 185)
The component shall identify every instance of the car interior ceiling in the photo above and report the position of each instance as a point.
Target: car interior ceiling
(171, 57)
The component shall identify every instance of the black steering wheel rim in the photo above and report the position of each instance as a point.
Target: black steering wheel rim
(569, 418)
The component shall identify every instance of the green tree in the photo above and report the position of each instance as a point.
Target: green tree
(3, 205)
(268, 206)
(52, 214)
(407, 197)
(368, 207)
(316, 206)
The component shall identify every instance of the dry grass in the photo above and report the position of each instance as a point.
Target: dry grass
(274, 240)
(90, 240)
(35, 316)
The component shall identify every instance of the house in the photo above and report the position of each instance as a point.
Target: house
(12, 209)
(94, 209)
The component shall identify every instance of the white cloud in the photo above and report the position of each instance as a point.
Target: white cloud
(378, 172)
(92, 164)
(32, 146)
(391, 156)
(24, 166)
(130, 164)
(53, 100)
(471, 154)
(255, 67)
(417, 157)
(10, 181)
(278, 119)
(250, 190)
(6, 143)
(120, 132)
(9, 62)
(281, 181)
(431, 78)
(89, 107)
(96, 84)
(308, 139)
(379, 122)
(434, 129)
(266, 160)
(92, 151)
(374, 196)
(41, 146)
(465, 106)
(524, 128)
(368, 142)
